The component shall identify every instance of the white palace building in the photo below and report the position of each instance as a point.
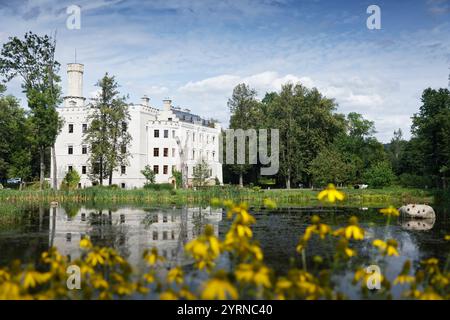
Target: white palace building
(167, 139)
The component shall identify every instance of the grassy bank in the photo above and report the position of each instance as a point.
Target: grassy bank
(395, 196)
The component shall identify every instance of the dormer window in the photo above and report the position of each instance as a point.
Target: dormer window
(72, 104)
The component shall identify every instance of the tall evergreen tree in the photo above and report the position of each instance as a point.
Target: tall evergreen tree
(107, 135)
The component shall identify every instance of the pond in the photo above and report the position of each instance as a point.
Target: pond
(131, 230)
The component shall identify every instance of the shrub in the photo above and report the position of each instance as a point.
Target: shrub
(159, 186)
(379, 175)
(71, 180)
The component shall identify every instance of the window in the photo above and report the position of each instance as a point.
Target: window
(213, 155)
(164, 235)
(156, 169)
(193, 154)
(83, 170)
(165, 219)
(169, 119)
(156, 133)
(214, 139)
(173, 134)
(123, 170)
(193, 136)
(122, 185)
(84, 149)
(155, 152)
(84, 127)
(70, 168)
(70, 150)
(166, 152)
(173, 152)
(155, 235)
(70, 128)
(124, 126)
(165, 169)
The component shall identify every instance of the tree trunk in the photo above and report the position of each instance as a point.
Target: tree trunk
(241, 180)
(288, 180)
(42, 168)
(101, 171)
(110, 176)
(54, 176)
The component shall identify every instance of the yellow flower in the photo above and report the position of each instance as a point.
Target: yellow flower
(386, 248)
(447, 237)
(220, 289)
(33, 278)
(269, 204)
(9, 291)
(175, 275)
(430, 295)
(152, 256)
(390, 211)
(168, 295)
(93, 258)
(85, 243)
(351, 231)
(258, 275)
(404, 278)
(331, 194)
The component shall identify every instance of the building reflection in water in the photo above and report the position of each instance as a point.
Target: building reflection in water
(132, 230)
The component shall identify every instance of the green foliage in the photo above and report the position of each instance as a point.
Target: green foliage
(379, 175)
(15, 142)
(159, 186)
(178, 178)
(149, 175)
(71, 180)
(431, 128)
(201, 173)
(33, 60)
(107, 135)
(415, 181)
(330, 167)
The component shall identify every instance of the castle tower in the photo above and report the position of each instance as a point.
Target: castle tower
(74, 96)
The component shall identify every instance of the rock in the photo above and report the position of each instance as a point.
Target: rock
(418, 225)
(421, 211)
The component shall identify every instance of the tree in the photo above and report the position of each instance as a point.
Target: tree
(149, 175)
(431, 128)
(201, 173)
(306, 123)
(71, 180)
(15, 144)
(359, 145)
(395, 150)
(33, 60)
(379, 175)
(107, 135)
(243, 109)
(330, 167)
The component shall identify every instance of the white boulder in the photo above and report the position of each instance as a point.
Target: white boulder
(421, 211)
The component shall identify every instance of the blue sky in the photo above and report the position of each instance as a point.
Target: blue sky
(195, 52)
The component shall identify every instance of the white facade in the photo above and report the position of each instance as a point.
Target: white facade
(166, 139)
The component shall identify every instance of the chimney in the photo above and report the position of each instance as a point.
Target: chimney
(145, 100)
(167, 104)
(75, 79)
